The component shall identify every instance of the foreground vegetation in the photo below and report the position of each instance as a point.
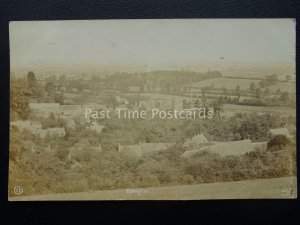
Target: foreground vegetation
(52, 171)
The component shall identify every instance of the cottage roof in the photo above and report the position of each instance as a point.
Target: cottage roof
(200, 138)
(280, 131)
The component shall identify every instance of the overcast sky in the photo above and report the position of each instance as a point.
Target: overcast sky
(152, 41)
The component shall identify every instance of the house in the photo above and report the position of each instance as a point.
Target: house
(224, 148)
(139, 150)
(44, 109)
(196, 142)
(280, 131)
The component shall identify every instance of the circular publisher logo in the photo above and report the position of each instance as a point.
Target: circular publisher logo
(18, 190)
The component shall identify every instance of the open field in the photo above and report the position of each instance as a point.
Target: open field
(230, 110)
(229, 83)
(284, 187)
(284, 86)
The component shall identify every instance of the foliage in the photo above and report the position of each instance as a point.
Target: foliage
(278, 142)
(67, 167)
(19, 100)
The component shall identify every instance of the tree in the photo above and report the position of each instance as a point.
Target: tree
(267, 92)
(278, 91)
(19, 100)
(217, 107)
(252, 87)
(197, 103)
(50, 88)
(34, 86)
(62, 78)
(278, 142)
(284, 96)
(59, 98)
(238, 92)
(186, 104)
(288, 77)
(258, 93)
(249, 129)
(203, 92)
(31, 79)
(173, 104)
(224, 91)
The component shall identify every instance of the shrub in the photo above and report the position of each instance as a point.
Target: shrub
(278, 142)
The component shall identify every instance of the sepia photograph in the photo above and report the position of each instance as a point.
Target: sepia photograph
(152, 109)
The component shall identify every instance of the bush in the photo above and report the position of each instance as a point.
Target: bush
(278, 142)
